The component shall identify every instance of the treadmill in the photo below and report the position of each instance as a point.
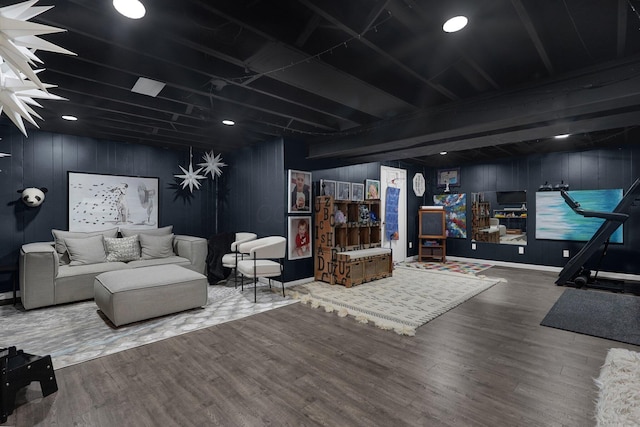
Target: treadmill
(574, 272)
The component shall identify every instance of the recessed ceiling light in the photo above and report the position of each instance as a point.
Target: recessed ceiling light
(228, 122)
(133, 9)
(70, 118)
(442, 153)
(566, 135)
(455, 24)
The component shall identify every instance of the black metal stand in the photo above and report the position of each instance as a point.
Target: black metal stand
(17, 370)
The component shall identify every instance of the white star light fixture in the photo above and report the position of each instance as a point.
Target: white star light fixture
(190, 178)
(212, 164)
(19, 41)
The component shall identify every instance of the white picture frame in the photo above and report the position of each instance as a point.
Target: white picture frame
(299, 191)
(100, 201)
(299, 237)
(357, 192)
(328, 187)
(343, 190)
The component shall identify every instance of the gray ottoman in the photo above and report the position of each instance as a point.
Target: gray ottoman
(127, 296)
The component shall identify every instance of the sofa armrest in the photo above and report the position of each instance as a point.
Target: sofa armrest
(192, 248)
(38, 269)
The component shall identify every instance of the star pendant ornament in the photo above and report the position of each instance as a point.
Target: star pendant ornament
(212, 164)
(190, 178)
(19, 41)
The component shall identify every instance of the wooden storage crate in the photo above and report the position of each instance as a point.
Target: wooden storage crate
(356, 267)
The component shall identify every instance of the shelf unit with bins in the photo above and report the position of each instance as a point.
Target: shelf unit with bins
(480, 214)
(514, 219)
(332, 236)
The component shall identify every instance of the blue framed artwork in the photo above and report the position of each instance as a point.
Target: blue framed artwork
(455, 207)
(555, 220)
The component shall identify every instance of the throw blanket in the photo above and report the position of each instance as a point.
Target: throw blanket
(219, 245)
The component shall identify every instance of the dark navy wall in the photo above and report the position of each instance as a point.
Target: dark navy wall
(617, 167)
(251, 194)
(43, 159)
(359, 173)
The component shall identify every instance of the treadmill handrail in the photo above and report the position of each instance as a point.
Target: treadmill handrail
(575, 206)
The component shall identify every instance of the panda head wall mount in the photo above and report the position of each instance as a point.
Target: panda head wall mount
(33, 196)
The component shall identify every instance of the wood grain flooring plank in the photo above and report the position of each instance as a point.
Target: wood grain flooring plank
(487, 362)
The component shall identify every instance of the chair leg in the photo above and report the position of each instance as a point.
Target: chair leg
(255, 289)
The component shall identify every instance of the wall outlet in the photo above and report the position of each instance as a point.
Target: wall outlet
(520, 250)
(473, 246)
(565, 253)
(410, 245)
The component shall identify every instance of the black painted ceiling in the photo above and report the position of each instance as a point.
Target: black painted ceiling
(361, 80)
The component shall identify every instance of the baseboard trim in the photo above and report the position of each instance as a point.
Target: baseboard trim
(603, 274)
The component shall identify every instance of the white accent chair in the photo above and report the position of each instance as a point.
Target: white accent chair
(494, 224)
(260, 260)
(231, 259)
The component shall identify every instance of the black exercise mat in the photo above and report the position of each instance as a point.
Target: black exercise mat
(600, 314)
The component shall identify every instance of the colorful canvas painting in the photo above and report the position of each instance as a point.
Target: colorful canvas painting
(455, 206)
(555, 220)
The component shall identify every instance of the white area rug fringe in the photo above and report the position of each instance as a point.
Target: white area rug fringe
(618, 402)
(402, 303)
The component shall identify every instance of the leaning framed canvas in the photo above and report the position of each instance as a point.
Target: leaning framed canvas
(357, 192)
(343, 191)
(299, 190)
(99, 201)
(299, 237)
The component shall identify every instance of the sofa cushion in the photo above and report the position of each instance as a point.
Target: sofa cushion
(156, 246)
(86, 250)
(122, 248)
(61, 247)
(163, 231)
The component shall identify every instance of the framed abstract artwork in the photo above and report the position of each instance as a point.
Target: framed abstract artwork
(555, 220)
(299, 190)
(455, 207)
(99, 201)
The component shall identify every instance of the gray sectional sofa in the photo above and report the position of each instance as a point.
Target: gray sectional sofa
(64, 270)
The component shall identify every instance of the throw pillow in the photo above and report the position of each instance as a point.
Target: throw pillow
(59, 236)
(123, 248)
(156, 246)
(87, 250)
(164, 231)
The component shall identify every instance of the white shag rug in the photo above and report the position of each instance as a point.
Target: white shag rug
(402, 303)
(618, 401)
(77, 332)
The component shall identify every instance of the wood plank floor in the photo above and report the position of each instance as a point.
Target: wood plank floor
(487, 362)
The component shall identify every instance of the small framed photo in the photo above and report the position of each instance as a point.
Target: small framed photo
(299, 189)
(328, 188)
(372, 187)
(299, 237)
(448, 176)
(343, 190)
(357, 192)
